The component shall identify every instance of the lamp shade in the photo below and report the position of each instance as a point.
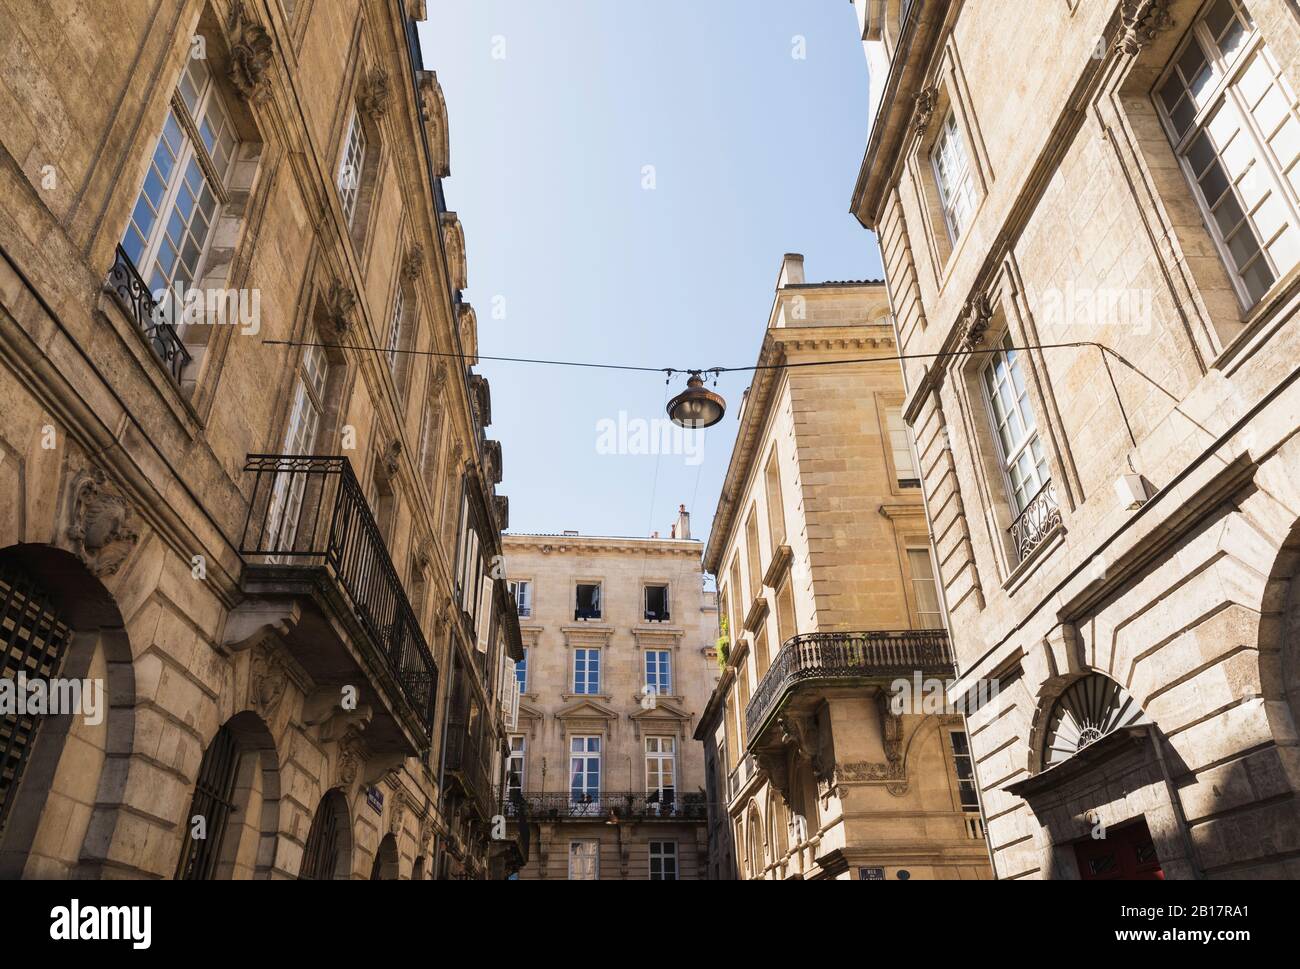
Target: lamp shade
(696, 407)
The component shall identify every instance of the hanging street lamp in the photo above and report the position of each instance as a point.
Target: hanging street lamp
(696, 407)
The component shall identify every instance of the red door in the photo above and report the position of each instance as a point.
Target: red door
(1125, 854)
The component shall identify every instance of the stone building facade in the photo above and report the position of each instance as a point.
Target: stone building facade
(619, 638)
(826, 598)
(1092, 265)
(230, 505)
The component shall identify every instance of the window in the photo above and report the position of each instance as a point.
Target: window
(1235, 126)
(584, 861)
(737, 600)
(970, 799)
(586, 671)
(663, 861)
(395, 330)
(900, 446)
(775, 509)
(1022, 455)
(658, 671)
(171, 225)
(584, 774)
(588, 601)
(952, 173)
(924, 588)
(760, 651)
(521, 671)
(351, 166)
(516, 766)
(742, 690)
(656, 603)
(430, 444)
(306, 415)
(522, 590)
(785, 621)
(661, 774)
(752, 555)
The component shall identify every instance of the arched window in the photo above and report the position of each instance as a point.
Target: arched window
(214, 794)
(329, 844)
(1089, 709)
(386, 863)
(754, 844)
(33, 641)
(235, 806)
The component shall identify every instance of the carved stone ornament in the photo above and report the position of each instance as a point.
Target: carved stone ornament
(413, 263)
(426, 834)
(351, 754)
(439, 378)
(424, 552)
(250, 55)
(891, 730)
(269, 678)
(800, 731)
(773, 764)
(100, 528)
(975, 323)
(398, 813)
(1140, 21)
(339, 302)
(390, 460)
(375, 94)
(926, 100)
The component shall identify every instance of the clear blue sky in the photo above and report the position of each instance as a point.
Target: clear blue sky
(755, 153)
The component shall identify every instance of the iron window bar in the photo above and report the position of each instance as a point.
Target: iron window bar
(309, 510)
(1040, 517)
(126, 285)
(214, 802)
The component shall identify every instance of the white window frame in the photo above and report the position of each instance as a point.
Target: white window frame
(661, 763)
(580, 685)
(521, 671)
(1023, 412)
(306, 418)
(522, 590)
(900, 446)
(588, 867)
(517, 754)
(662, 852)
(664, 658)
(964, 783)
(1226, 96)
(584, 749)
(396, 323)
(197, 105)
(914, 552)
(352, 161)
(953, 176)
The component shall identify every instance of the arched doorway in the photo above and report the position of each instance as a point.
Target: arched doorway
(385, 867)
(235, 807)
(59, 624)
(328, 853)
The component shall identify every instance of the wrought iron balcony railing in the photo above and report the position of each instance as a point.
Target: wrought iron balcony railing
(1036, 522)
(665, 805)
(309, 511)
(465, 755)
(124, 283)
(844, 656)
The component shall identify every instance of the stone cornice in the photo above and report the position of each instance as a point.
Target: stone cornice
(587, 544)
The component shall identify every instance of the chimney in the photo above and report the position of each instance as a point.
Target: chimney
(791, 271)
(682, 529)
